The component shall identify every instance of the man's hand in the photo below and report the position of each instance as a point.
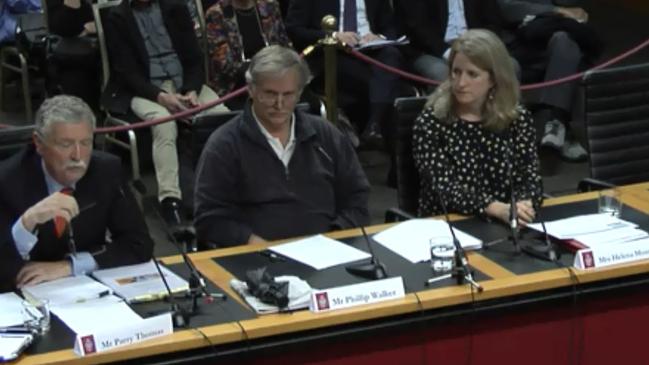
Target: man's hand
(89, 28)
(577, 14)
(74, 4)
(369, 37)
(171, 101)
(55, 205)
(190, 98)
(37, 272)
(349, 38)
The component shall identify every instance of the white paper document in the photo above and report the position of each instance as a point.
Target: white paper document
(96, 314)
(411, 239)
(582, 225)
(11, 345)
(67, 290)
(320, 252)
(403, 40)
(611, 237)
(141, 282)
(10, 310)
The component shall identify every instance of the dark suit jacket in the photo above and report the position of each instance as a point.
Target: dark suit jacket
(425, 21)
(115, 211)
(304, 17)
(129, 59)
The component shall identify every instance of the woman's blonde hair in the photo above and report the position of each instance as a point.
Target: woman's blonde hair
(485, 50)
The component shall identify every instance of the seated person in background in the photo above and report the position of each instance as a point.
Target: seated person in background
(473, 138)
(157, 69)
(432, 25)
(236, 30)
(9, 12)
(560, 55)
(359, 22)
(275, 172)
(45, 189)
(75, 58)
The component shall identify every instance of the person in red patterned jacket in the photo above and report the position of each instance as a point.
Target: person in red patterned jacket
(236, 30)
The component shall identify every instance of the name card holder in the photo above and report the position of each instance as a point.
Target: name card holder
(614, 254)
(357, 294)
(108, 339)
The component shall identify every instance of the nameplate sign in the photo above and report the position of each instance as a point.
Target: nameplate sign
(100, 341)
(357, 294)
(618, 253)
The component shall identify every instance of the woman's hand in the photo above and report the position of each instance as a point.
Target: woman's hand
(524, 210)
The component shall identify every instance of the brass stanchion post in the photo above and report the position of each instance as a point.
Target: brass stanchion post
(330, 45)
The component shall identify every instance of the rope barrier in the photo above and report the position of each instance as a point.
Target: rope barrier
(538, 85)
(367, 59)
(180, 115)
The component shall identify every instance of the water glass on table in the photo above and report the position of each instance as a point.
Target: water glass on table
(441, 253)
(609, 201)
(36, 314)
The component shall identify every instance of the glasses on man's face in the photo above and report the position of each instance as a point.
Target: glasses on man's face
(270, 98)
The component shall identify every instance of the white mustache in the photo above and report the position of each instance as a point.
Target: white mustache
(75, 165)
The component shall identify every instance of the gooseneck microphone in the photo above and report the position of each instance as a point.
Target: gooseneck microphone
(197, 285)
(374, 270)
(536, 248)
(179, 315)
(462, 271)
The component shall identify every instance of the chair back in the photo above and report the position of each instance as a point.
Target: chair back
(406, 111)
(12, 139)
(201, 33)
(202, 129)
(617, 123)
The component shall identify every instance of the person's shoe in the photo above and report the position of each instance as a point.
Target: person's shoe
(371, 139)
(554, 135)
(170, 209)
(573, 151)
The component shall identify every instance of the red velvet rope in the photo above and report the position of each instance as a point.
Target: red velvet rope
(538, 85)
(359, 55)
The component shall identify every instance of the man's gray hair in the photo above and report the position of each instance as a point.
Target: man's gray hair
(62, 109)
(275, 60)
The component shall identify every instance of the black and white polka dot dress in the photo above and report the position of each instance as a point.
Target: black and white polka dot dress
(470, 165)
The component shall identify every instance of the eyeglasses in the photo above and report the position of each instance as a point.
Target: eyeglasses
(270, 98)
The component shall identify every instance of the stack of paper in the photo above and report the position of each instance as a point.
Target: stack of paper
(320, 252)
(593, 230)
(93, 315)
(12, 345)
(141, 282)
(10, 310)
(67, 290)
(411, 239)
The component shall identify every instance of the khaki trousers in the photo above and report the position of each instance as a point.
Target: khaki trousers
(165, 154)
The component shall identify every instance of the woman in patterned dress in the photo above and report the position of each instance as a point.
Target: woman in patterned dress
(474, 144)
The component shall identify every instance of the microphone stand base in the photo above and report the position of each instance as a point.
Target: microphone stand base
(516, 248)
(540, 250)
(370, 271)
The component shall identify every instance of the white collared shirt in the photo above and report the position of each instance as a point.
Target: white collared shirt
(362, 23)
(284, 153)
(456, 25)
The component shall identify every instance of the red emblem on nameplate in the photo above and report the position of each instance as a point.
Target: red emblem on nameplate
(587, 259)
(88, 343)
(322, 300)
